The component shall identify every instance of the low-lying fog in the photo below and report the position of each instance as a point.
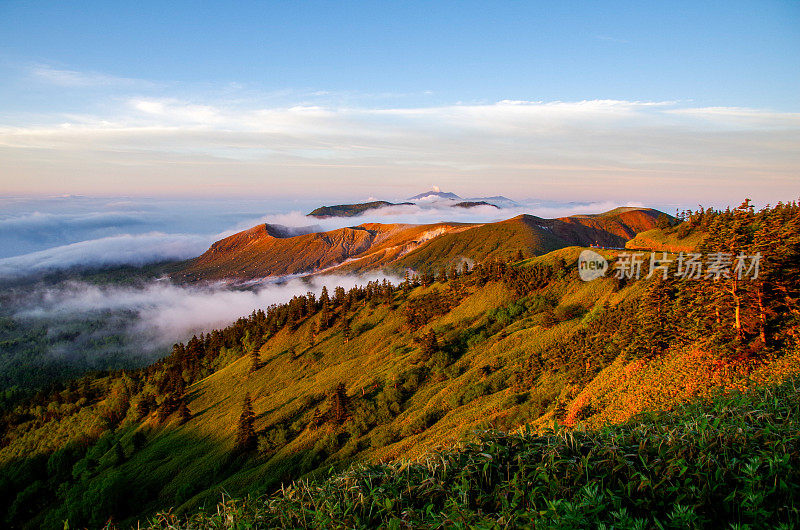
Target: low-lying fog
(141, 321)
(160, 312)
(62, 232)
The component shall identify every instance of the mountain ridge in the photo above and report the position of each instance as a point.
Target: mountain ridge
(385, 372)
(352, 210)
(256, 253)
(435, 193)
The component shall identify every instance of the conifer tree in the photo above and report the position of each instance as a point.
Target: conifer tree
(184, 414)
(339, 403)
(119, 454)
(346, 331)
(430, 344)
(255, 359)
(324, 298)
(138, 440)
(245, 434)
(655, 319)
(663, 221)
(312, 334)
(339, 296)
(324, 315)
(311, 303)
(406, 285)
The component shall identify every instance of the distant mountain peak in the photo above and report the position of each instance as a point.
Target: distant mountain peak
(435, 192)
(496, 200)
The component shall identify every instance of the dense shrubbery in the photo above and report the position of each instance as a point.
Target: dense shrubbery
(734, 461)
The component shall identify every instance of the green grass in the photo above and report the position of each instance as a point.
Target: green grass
(667, 240)
(732, 462)
(513, 360)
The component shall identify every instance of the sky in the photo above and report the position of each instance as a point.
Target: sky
(660, 103)
(133, 132)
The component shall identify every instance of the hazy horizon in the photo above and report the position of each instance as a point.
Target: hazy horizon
(136, 133)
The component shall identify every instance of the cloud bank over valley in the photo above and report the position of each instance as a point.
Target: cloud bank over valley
(39, 235)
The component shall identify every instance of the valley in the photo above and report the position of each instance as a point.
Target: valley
(498, 354)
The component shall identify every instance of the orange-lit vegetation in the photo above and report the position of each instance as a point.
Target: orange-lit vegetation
(269, 250)
(391, 371)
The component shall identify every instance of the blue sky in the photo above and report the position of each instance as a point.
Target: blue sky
(668, 101)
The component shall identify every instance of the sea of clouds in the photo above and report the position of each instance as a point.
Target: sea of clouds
(45, 234)
(58, 233)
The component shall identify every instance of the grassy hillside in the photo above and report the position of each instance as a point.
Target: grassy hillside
(258, 253)
(390, 372)
(264, 251)
(529, 235)
(733, 460)
(496, 240)
(669, 240)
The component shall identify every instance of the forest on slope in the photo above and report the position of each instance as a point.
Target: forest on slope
(386, 371)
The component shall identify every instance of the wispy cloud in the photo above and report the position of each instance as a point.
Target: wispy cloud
(107, 251)
(628, 148)
(82, 79)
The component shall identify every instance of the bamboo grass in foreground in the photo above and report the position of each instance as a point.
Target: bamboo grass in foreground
(733, 462)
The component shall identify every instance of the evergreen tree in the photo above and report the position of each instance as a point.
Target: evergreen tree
(406, 285)
(146, 405)
(324, 298)
(339, 403)
(430, 344)
(324, 315)
(663, 221)
(255, 359)
(119, 454)
(245, 434)
(339, 296)
(138, 440)
(654, 333)
(184, 414)
(311, 303)
(346, 331)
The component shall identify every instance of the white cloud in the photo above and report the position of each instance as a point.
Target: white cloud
(115, 250)
(106, 238)
(164, 313)
(599, 149)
